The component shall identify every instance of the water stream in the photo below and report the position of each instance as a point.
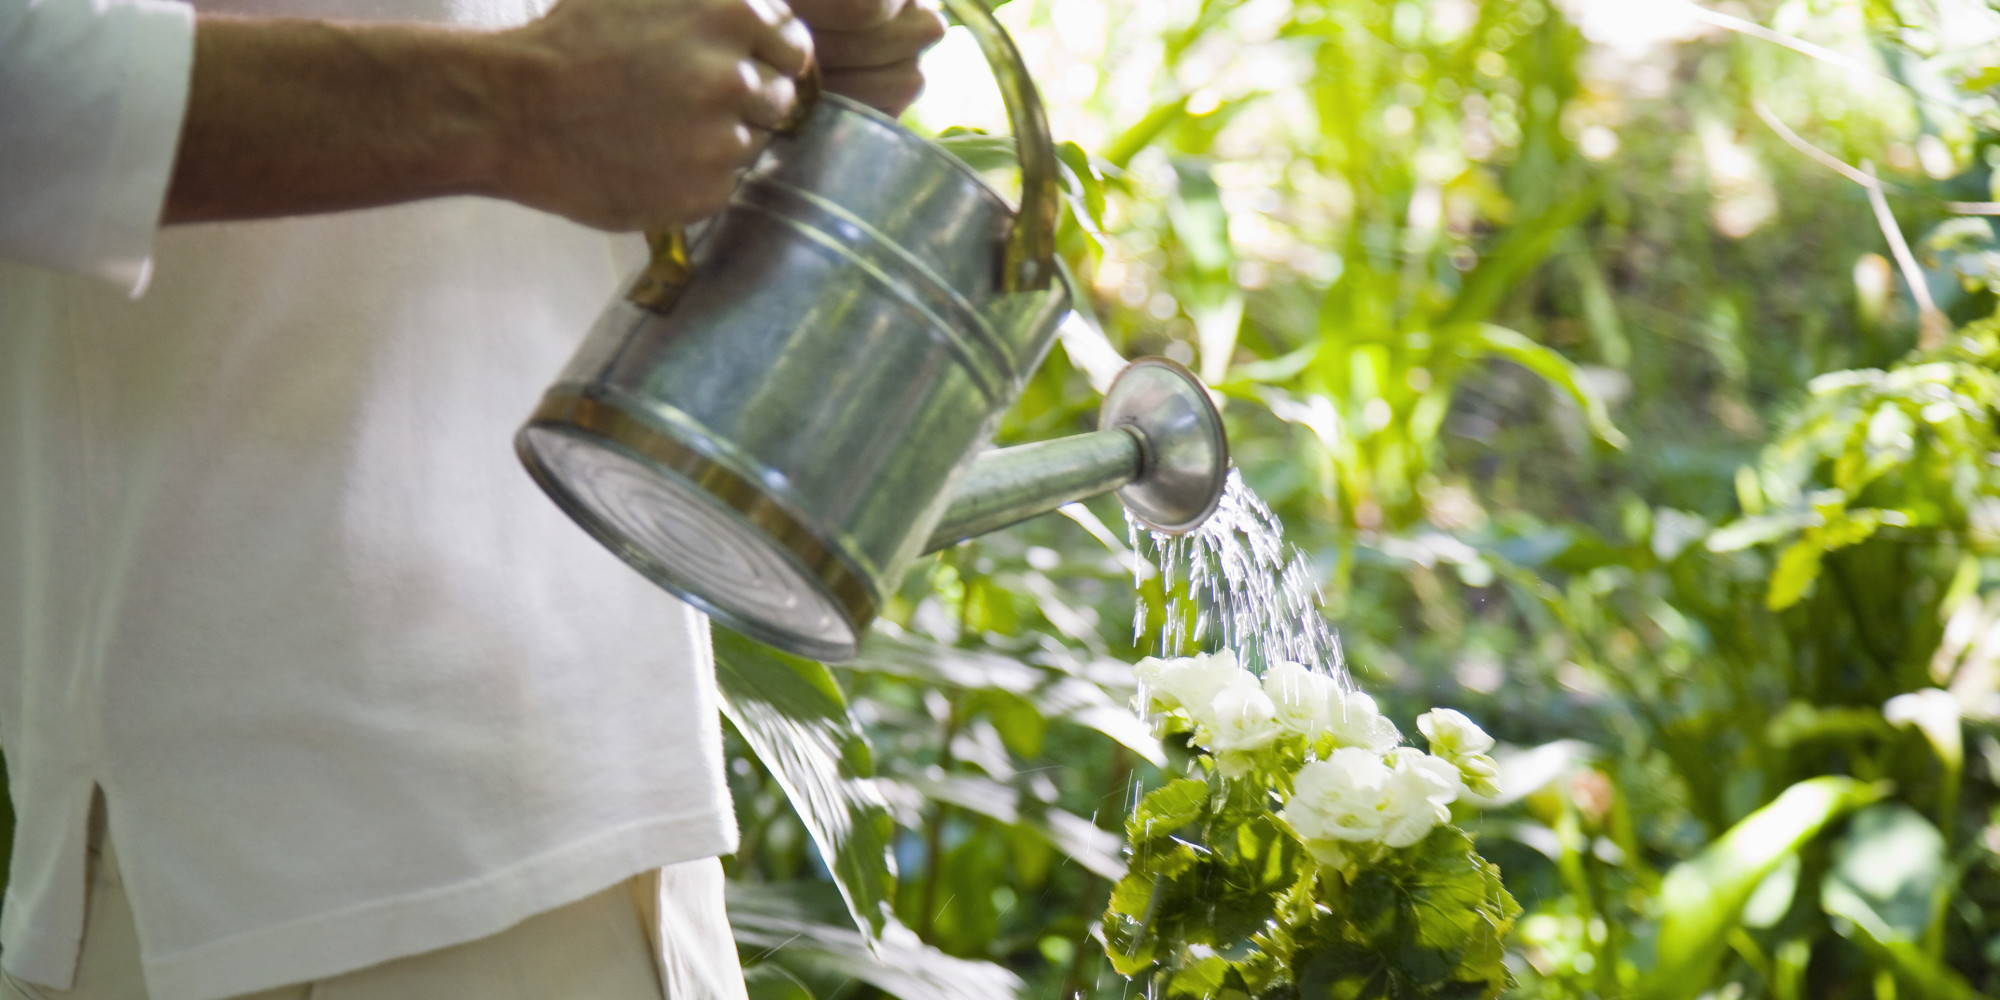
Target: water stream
(1236, 583)
(1233, 583)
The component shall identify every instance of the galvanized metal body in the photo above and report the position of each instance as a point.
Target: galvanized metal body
(843, 350)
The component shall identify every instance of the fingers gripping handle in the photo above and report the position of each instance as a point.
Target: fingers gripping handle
(672, 266)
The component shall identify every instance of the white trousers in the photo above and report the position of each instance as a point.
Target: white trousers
(661, 934)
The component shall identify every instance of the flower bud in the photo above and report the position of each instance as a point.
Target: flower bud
(1451, 734)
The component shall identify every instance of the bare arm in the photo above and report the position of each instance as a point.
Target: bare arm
(621, 114)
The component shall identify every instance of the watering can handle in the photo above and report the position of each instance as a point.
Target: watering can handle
(671, 265)
(1029, 259)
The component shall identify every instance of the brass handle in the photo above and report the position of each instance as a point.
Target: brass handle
(1030, 257)
(672, 266)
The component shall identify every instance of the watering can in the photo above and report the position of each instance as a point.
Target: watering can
(788, 408)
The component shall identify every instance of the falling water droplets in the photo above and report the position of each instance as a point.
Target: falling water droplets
(1244, 588)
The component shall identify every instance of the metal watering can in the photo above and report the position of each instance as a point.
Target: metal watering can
(789, 408)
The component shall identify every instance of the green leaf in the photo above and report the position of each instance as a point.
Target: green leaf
(1702, 899)
(1520, 249)
(1887, 872)
(1167, 809)
(980, 151)
(771, 981)
(1797, 568)
(1514, 346)
(1119, 151)
(1056, 694)
(1933, 979)
(777, 924)
(1802, 722)
(1085, 185)
(1198, 218)
(1093, 848)
(1149, 906)
(1749, 531)
(795, 718)
(1430, 920)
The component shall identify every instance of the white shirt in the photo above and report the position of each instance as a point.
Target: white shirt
(270, 574)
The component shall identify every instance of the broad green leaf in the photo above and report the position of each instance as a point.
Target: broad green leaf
(1558, 370)
(1773, 897)
(1933, 979)
(1057, 694)
(1166, 809)
(776, 923)
(795, 718)
(1094, 848)
(980, 151)
(1432, 921)
(771, 981)
(1702, 899)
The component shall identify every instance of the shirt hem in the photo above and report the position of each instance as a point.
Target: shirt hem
(360, 936)
(35, 958)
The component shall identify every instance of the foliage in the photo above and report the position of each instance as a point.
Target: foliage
(1302, 863)
(1597, 402)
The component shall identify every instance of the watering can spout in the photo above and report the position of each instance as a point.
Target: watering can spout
(1159, 443)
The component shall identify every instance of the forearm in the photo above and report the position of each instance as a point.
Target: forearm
(287, 117)
(621, 114)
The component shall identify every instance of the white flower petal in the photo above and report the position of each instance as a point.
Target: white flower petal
(1242, 718)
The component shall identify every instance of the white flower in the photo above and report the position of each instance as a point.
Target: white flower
(1460, 741)
(1417, 796)
(1191, 682)
(1452, 734)
(1355, 722)
(1339, 798)
(1240, 718)
(1481, 774)
(1303, 697)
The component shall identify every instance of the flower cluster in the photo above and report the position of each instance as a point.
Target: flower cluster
(1307, 851)
(1355, 784)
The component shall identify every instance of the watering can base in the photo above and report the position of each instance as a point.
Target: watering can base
(684, 538)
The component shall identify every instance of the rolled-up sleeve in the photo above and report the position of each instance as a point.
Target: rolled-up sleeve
(92, 94)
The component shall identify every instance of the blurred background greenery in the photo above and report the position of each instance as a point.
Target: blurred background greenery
(1618, 404)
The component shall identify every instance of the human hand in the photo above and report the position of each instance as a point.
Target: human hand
(868, 49)
(640, 114)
